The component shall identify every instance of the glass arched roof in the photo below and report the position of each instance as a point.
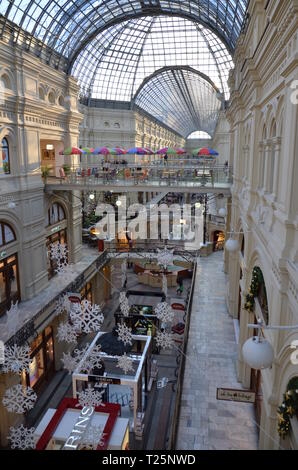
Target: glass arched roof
(182, 99)
(67, 26)
(115, 63)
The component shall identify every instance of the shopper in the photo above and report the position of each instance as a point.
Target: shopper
(180, 288)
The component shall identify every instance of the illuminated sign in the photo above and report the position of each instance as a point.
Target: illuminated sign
(79, 428)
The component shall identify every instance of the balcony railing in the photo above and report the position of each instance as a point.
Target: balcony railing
(147, 175)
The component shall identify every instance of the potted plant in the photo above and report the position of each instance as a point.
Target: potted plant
(6, 168)
(66, 169)
(45, 171)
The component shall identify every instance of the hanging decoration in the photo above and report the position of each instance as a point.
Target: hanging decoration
(125, 363)
(58, 252)
(9, 328)
(17, 359)
(67, 332)
(63, 304)
(19, 399)
(92, 438)
(288, 408)
(124, 304)
(164, 340)
(124, 334)
(257, 280)
(165, 257)
(164, 312)
(86, 317)
(90, 397)
(22, 438)
(93, 361)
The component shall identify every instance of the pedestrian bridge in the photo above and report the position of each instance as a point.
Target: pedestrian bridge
(146, 178)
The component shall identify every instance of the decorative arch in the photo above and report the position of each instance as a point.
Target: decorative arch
(57, 212)
(8, 80)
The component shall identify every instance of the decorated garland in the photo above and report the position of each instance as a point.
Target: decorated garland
(288, 408)
(257, 280)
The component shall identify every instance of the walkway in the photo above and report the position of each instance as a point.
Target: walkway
(206, 423)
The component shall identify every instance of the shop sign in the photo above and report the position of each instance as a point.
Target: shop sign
(3, 254)
(79, 428)
(56, 229)
(243, 396)
(104, 380)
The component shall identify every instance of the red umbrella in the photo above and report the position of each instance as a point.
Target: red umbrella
(71, 151)
(181, 152)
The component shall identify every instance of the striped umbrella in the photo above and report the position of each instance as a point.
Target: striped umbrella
(71, 151)
(103, 151)
(167, 150)
(87, 150)
(137, 151)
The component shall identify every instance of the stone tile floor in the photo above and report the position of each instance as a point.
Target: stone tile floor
(206, 423)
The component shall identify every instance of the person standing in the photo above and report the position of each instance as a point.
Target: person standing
(166, 159)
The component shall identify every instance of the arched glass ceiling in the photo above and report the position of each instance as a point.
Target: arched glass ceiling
(182, 99)
(68, 25)
(115, 63)
(199, 135)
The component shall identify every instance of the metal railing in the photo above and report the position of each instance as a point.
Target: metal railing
(156, 175)
(181, 358)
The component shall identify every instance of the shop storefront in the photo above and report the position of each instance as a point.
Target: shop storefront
(42, 360)
(9, 272)
(57, 232)
(67, 428)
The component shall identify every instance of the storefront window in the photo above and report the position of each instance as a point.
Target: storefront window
(7, 234)
(86, 292)
(4, 161)
(55, 214)
(9, 283)
(42, 357)
(61, 237)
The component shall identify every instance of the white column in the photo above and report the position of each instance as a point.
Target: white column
(267, 168)
(276, 166)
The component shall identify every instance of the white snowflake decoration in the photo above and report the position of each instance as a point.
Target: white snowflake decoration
(67, 332)
(58, 252)
(87, 317)
(22, 438)
(125, 363)
(93, 361)
(165, 257)
(164, 340)
(165, 285)
(19, 399)
(93, 437)
(124, 334)
(90, 397)
(10, 326)
(17, 359)
(63, 304)
(164, 312)
(70, 362)
(124, 267)
(124, 304)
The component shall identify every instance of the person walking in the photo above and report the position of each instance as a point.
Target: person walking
(166, 159)
(180, 288)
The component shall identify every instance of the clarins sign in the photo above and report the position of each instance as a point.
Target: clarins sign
(79, 428)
